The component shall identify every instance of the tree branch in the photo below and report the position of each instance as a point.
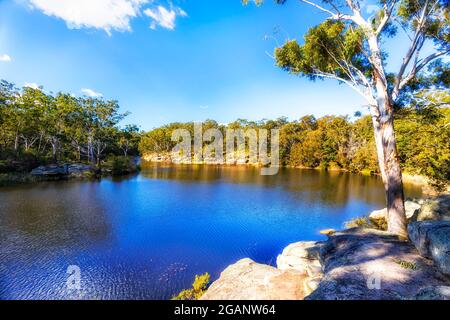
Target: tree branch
(333, 15)
(417, 67)
(416, 43)
(367, 97)
(388, 9)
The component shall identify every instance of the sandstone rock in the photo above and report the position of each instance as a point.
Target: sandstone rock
(412, 210)
(378, 214)
(157, 157)
(311, 284)
(248, 280)
(328, 232)
(434, 293)
(365, 264)
(302, 257)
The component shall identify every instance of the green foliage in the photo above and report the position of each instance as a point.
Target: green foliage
(37, 128)
(325, 46)
(336, 142)
(366, 222)
(119, 165)
(423, 136)
(363, 222)
(198, 288)
(407, 265)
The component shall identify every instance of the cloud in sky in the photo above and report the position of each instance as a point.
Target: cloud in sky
(163, 17)
(106, 15)
(5, 58)
(91, 93)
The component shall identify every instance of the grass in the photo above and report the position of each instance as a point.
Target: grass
(407, 265)
(366, 222)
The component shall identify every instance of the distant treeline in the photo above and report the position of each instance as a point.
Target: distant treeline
(37, 128)
(336, 142)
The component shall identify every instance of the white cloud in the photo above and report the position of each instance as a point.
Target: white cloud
(99, 14)
(31, 85)
(5, 58)
(91, 93)
(107, 15)
(163, 17)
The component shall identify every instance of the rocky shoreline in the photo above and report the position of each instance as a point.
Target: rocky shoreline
(354, 264)
(70, 171)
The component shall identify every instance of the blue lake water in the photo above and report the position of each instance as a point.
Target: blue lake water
(146, 236)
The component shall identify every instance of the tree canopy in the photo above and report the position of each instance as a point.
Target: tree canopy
(38, 127)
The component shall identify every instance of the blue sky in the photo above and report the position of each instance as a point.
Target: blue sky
(165, 61)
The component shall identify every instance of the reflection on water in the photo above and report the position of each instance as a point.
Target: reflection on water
(146, 236)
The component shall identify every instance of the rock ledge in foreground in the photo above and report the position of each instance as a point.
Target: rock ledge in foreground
(248, 280)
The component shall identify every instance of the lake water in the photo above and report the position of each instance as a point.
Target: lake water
(146, 236)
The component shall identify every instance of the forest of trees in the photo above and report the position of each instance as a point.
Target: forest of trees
(337, 142)
(41, 128)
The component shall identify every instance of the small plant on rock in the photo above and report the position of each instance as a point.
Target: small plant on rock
(198, 288)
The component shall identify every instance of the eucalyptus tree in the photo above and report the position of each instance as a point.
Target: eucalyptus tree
(129, 138)
(348, 46)
(100, 118)
(8, 104)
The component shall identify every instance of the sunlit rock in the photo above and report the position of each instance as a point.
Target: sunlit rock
(248, 280)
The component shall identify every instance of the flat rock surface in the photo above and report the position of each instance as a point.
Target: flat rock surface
(248, 280)
(355, 264)
(366, 264)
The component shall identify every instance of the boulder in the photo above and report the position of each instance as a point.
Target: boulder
(432, 240)
(60, 170)
(81, 170)
(412, 210)
(440, 249)
(304, 258)
(248, 280)
(301, 256)
(50, 170)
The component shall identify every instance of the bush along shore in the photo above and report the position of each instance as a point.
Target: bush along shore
(361, 262)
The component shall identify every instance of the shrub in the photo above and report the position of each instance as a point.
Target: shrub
(198, 288)
(358, 222)
(366, 222)
(120, 165)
